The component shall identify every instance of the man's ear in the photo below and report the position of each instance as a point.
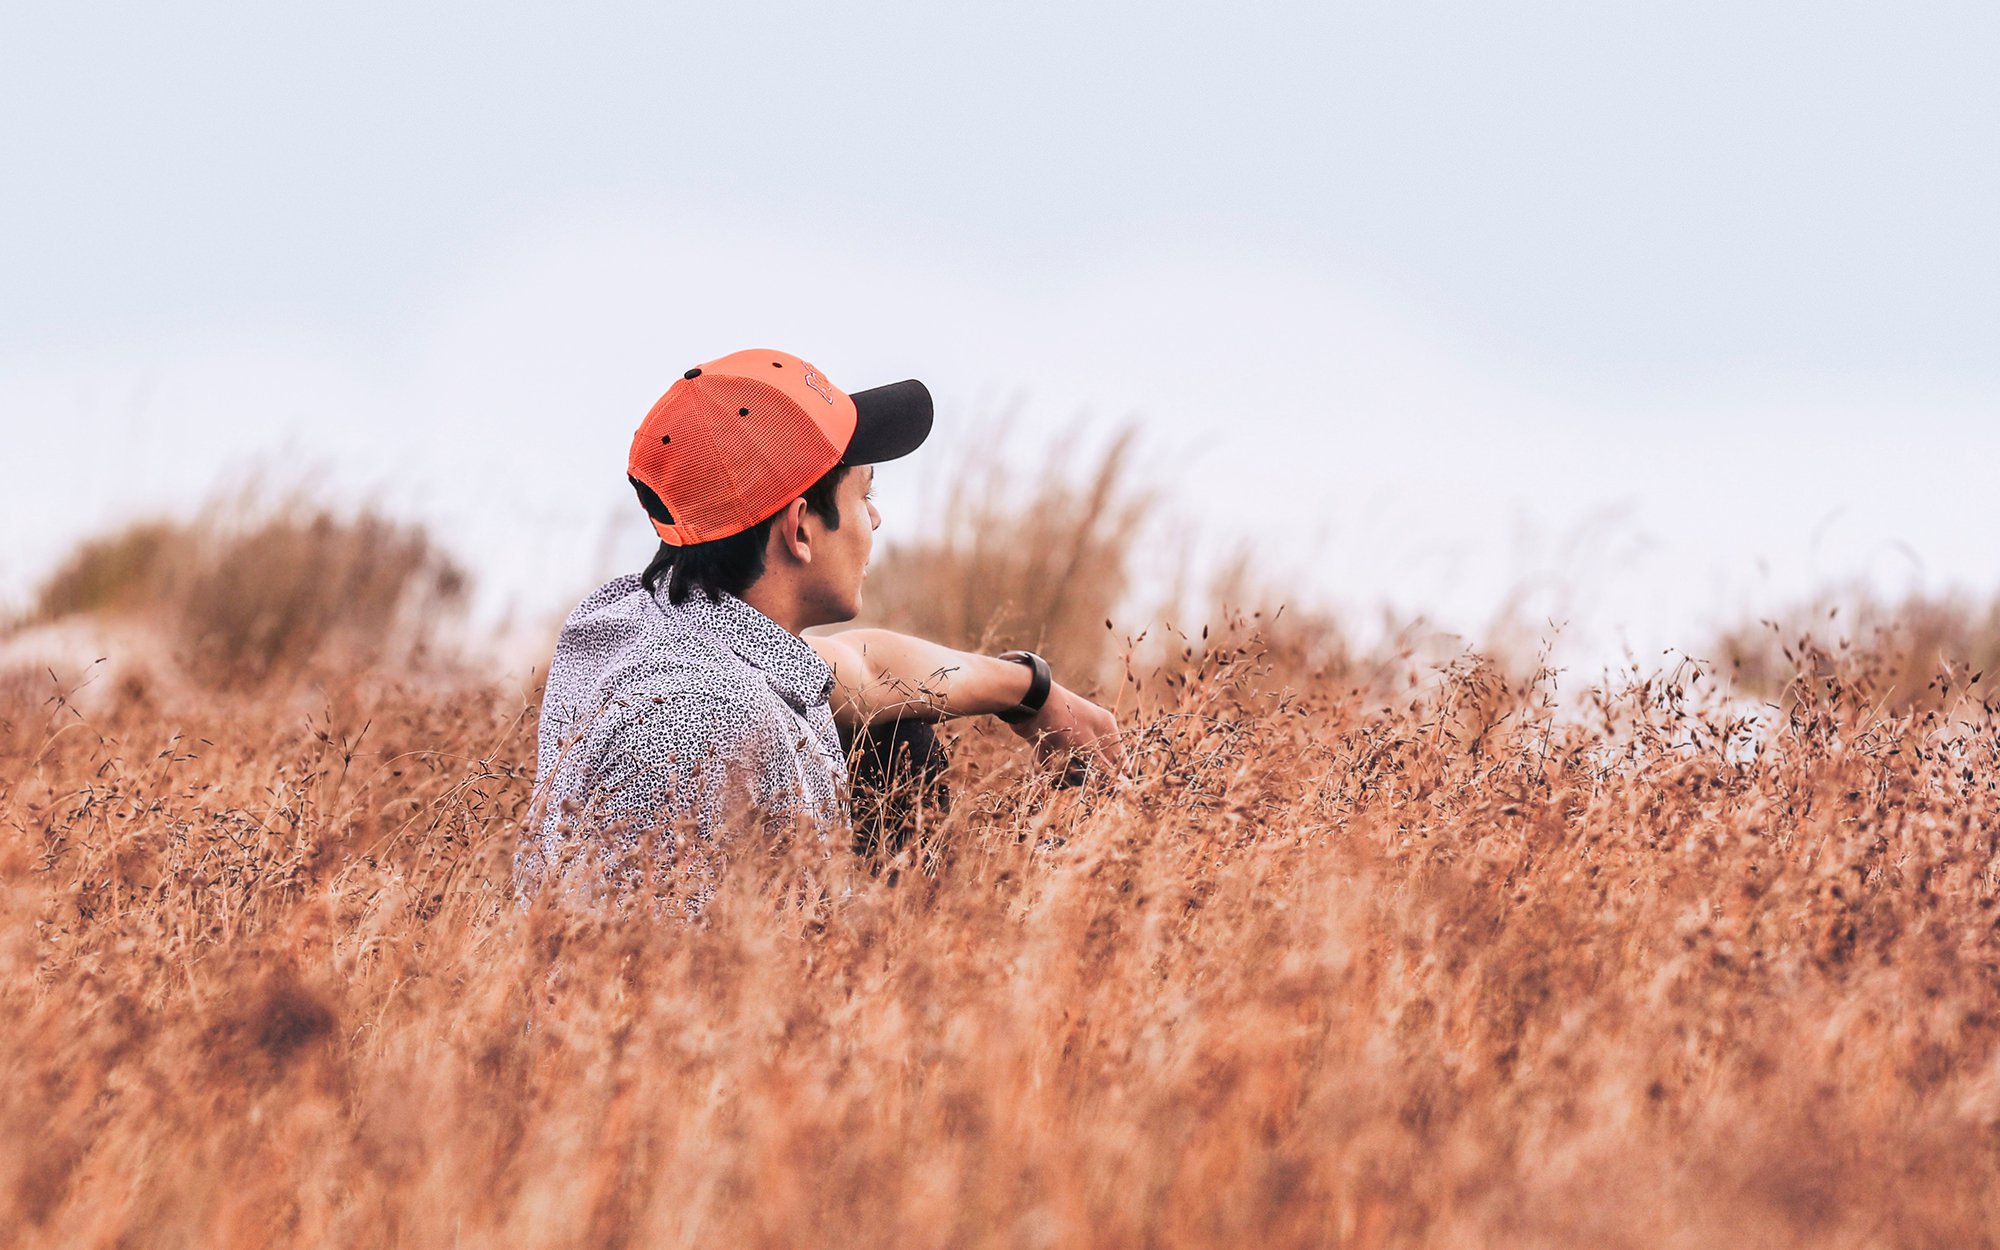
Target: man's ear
(788, 533)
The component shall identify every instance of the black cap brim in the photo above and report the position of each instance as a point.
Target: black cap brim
(889, 422)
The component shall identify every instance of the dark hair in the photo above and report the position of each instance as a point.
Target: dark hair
(727, 565)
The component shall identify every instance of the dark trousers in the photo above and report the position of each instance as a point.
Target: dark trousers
(896, 773)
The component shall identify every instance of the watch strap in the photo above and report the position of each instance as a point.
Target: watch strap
(1038, 687)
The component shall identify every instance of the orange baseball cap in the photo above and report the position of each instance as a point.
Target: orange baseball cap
(740, 437)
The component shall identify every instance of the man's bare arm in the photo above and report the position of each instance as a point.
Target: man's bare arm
(881, 676)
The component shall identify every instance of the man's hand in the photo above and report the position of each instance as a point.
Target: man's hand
(1071, 725)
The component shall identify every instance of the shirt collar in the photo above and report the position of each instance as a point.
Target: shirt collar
(787, 661)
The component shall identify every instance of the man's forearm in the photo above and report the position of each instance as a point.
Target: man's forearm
(880, 676)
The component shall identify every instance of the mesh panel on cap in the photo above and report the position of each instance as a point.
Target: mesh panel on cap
(649, 463)
(706, 477)
(725, 472)
(775, 452)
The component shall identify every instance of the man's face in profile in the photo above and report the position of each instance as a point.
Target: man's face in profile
(840, 556)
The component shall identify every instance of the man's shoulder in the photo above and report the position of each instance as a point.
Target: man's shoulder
(621, 607)
(629, 673)
(639, 690)
(620, 587)
(618, 641)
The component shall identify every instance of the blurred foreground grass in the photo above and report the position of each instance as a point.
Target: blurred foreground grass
(1373, 953)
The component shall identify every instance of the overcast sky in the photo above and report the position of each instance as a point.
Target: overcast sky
(1662, 312)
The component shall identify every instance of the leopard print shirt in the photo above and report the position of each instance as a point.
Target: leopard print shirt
(667, 730)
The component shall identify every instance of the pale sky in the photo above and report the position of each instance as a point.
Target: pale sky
(1659, 313)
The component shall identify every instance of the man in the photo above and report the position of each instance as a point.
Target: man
(684, 708)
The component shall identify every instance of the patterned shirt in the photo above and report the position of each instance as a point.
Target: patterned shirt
(700, 718)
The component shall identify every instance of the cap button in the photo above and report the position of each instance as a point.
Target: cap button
(692, 373)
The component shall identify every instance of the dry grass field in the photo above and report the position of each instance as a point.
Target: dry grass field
(1374, 952)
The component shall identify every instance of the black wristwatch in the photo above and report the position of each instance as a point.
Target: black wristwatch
(1038, 688)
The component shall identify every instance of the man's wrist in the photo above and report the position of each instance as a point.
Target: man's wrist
(1040, 682)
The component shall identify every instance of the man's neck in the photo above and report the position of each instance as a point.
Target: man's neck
(774, 601)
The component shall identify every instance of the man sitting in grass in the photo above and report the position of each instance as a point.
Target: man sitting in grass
(685, 700)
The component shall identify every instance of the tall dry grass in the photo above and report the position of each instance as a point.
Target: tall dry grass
(249, 590)
(1037, 556)
(1430, 960)
(1909, 641)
